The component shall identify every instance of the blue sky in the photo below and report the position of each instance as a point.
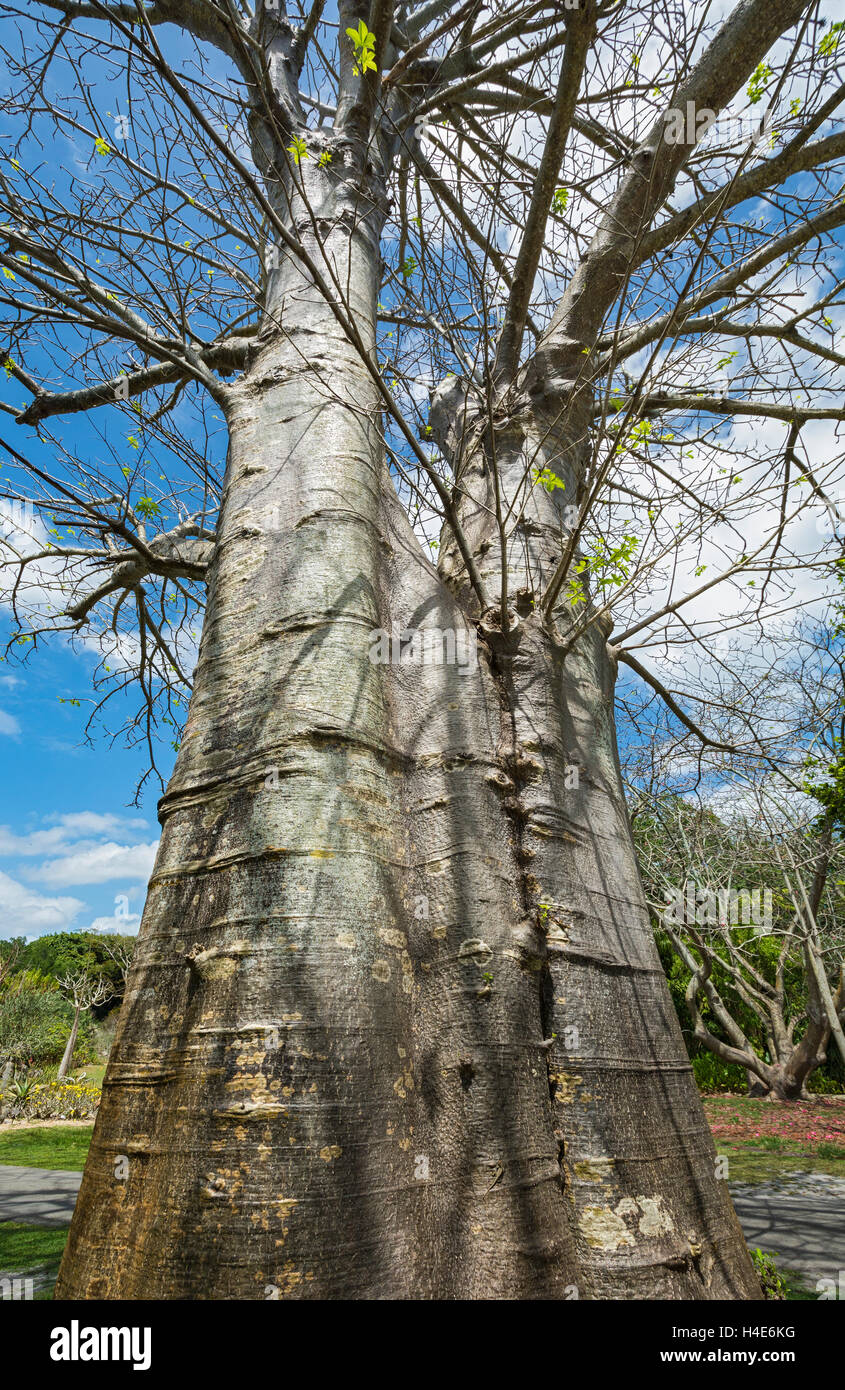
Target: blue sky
(73, 850)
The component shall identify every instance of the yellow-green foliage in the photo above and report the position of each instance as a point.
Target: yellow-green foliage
(61, 1100)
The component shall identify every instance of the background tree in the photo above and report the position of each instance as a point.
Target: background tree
(746, 921)
(85, 991)
(56, 954)
(768, 819)
(415, 881)
(35, 1022)
(9, 953)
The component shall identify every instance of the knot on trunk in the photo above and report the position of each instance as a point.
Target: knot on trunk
(502, 639)
(554, 370)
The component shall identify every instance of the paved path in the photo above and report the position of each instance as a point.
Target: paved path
(801, 1218)
(42, 1196)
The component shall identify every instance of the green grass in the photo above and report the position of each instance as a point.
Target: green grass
(53, 1146)
(94, 1072)
(33, 1250)
(826, 1150)
(797, 1291)
(764, 1141)
(755, 1166)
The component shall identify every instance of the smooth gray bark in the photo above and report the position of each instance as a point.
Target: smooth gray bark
(396, 1026)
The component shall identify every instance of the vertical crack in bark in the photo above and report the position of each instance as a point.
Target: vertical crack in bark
(649, 1217)
(518, 771)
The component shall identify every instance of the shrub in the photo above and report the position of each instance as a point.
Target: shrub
(28, 981)
(823, 1085)
(35, 1026)
(55, 1100)
(712, 1074)
(773, 1284)
(20, 1088)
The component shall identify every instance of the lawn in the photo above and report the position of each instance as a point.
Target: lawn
(763, 1140)
(34, 1251)
(798, 1290)
(92, 1071)
(51, 1146)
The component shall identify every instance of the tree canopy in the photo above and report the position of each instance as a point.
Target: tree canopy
(643, 200)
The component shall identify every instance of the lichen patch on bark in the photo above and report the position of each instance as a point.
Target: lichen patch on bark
(604, 1229)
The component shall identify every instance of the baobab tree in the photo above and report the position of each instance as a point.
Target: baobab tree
(467, 286)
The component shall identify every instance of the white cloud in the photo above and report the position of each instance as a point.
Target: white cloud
(98, 865)
(125, 926)
(26, 913)
(74, 848)
(37, 842)
(93, 823)
(78, 829)
(9, 724)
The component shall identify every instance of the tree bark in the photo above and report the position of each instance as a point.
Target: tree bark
(67, 1057)
(395, 1026)
(756, 1087)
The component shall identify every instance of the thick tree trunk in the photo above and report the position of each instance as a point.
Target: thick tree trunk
(756, 1087)
(395, 1025)
(67, 1057)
